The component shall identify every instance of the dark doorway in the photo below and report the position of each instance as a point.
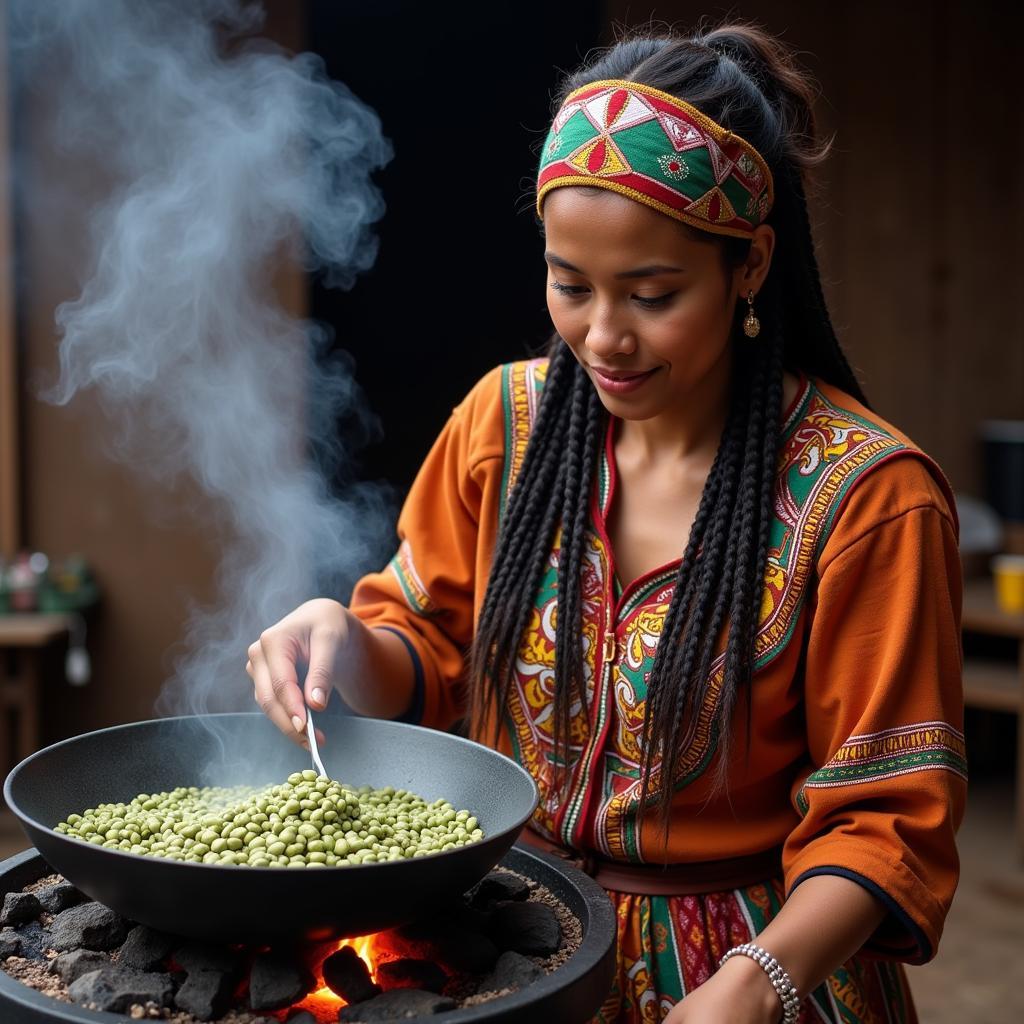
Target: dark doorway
(458, 286)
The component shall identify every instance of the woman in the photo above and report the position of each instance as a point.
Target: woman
(774, 715)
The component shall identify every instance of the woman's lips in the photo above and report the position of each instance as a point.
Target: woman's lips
(621, 382)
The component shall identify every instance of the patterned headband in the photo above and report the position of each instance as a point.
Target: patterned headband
(656, 149)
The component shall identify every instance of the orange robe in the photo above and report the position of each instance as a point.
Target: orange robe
(856, 761)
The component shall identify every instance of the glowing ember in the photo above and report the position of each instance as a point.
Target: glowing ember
(324, 1003)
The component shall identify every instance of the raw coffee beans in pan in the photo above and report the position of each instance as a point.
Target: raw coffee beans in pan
(309, 821)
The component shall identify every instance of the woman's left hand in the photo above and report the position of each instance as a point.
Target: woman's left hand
(739, 993)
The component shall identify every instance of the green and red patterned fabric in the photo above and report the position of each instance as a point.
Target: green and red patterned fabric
(670, 945)
(646, 144)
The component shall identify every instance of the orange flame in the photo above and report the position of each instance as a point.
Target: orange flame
(324, 1003)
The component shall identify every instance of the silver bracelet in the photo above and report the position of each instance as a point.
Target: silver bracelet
(781, 981)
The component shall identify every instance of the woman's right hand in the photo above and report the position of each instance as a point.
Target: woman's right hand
(310, 638)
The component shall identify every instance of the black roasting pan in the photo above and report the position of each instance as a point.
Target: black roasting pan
(239, 904)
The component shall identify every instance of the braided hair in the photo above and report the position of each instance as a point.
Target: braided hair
(748, 82)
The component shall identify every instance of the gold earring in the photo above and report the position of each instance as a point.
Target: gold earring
(751, 325)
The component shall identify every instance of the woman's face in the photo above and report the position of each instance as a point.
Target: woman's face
(646, 308)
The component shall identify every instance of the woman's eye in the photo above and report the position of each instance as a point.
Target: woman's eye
(647, 302)
(654, 301)
(567, 289)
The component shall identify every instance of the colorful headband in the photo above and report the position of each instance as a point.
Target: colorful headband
(656, 149)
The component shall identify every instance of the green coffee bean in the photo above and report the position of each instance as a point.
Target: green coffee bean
(308, 821)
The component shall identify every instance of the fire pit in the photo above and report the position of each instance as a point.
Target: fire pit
(462, 960)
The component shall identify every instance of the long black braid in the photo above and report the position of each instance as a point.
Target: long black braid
(747, 81)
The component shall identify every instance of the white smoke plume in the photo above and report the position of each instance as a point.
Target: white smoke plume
(227, 153)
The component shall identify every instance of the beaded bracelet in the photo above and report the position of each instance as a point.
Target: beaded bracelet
(780, 980)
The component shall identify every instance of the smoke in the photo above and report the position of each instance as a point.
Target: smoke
(227, 155)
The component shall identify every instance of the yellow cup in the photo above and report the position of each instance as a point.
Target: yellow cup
(1008, 572)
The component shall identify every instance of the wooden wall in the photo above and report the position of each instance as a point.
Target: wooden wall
(9, 475)
(921, 209)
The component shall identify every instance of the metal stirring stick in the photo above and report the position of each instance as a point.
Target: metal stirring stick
(314, 750)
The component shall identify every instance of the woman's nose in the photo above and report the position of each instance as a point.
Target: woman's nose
(608, 335)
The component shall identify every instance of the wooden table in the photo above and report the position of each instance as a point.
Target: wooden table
(997, 685)
(23, 636)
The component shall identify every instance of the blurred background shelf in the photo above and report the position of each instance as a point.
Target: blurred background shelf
(983, 615)
(991, 684)
(31, 630)
(994, 681)
(23, 639)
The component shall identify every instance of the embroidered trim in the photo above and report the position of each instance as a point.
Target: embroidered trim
(888, 754)
(642, 197)
(830, 450)
(604, 488)
(596, 574)
(521, 386)
(647, 588)
(408, 578)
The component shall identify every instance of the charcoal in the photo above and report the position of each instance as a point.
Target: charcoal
(34, 940)
(58, 897)
(400, 1004)
(498, 887)
(512, 971)
(421, 974)
(446, 942)
(205, 994)
(473, 918)
(116, 989)
(346, 974)
(145, 949)
(198, 956)
(89, 926)
(302, 1017)
(462, 949)
(71, 966)
(530, 928)
(10, 943)
(277, 981)
(20, 908)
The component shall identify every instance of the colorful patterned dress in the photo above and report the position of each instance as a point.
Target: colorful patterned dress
(855, 763)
